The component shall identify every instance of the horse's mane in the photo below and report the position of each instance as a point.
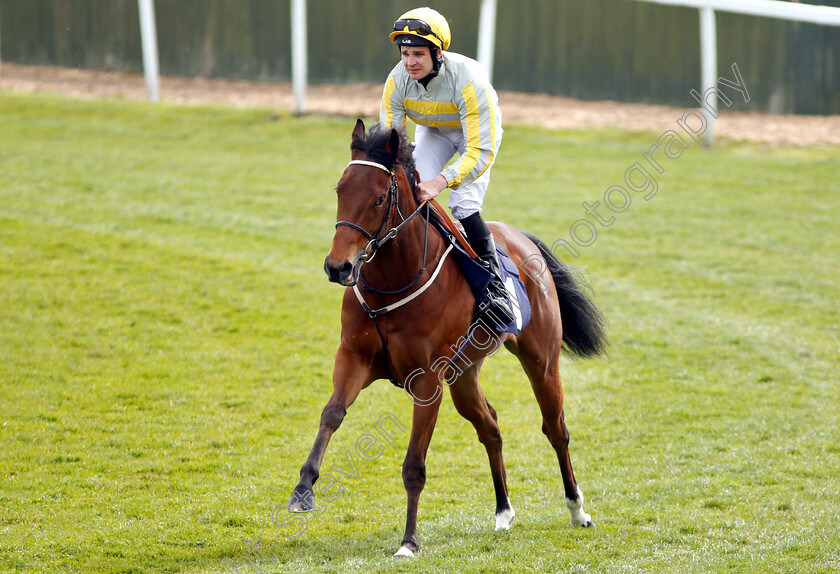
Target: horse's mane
(374, 143)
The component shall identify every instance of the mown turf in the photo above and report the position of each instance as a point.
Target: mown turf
(168, 333)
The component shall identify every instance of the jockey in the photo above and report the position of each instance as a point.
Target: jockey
(455, 108)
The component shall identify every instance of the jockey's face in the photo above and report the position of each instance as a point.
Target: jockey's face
(417, 61)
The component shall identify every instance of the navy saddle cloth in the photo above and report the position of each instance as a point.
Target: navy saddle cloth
(479, 278)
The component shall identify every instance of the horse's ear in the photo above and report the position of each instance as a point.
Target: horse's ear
(393, 145)
(357, 143)
(359, 130)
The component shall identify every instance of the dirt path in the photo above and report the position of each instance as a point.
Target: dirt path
(362, 99)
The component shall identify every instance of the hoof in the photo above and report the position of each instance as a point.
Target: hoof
(578, 516)
(301, 501)
(404, 552)
(505, 518)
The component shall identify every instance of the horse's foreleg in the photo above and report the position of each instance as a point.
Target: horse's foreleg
(350, 374)
(471, 404)
(414, 466)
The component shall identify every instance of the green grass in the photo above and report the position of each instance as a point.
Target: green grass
(168, 334)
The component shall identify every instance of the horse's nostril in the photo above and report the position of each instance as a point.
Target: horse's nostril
(337, 273)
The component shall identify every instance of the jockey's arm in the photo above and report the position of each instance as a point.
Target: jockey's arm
(479, 122)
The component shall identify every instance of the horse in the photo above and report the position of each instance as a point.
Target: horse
(416, 310)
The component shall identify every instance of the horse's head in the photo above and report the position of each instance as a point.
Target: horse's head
(367, 199)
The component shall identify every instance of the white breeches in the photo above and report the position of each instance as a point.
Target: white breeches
(433, 150)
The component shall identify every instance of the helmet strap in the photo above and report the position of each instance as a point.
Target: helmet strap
(438, 61)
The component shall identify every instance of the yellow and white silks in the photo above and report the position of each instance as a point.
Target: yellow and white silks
(457, 112)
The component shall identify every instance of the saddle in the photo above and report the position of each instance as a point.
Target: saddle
(479, 278)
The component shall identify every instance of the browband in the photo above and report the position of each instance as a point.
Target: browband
(371, 164)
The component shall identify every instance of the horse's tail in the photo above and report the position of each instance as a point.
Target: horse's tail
(583, 322)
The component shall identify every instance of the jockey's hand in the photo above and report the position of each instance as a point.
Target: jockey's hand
(430, 189)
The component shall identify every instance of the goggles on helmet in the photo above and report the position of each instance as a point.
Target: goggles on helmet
(415, 25)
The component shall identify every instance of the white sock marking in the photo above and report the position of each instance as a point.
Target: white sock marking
(504, 518)
(578, 516)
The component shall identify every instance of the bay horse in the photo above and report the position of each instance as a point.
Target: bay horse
(418, 308)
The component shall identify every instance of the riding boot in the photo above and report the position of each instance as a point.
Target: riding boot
(497, 304)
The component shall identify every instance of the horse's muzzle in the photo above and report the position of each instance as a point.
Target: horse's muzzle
(342, 272)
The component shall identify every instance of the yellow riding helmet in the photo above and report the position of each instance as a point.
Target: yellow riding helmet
(426, 24)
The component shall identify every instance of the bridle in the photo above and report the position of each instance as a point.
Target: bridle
(374, 241)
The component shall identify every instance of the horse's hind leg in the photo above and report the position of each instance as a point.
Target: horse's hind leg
(471, 404)
(543, 371)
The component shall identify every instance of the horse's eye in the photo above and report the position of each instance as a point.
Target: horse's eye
(380, 201)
